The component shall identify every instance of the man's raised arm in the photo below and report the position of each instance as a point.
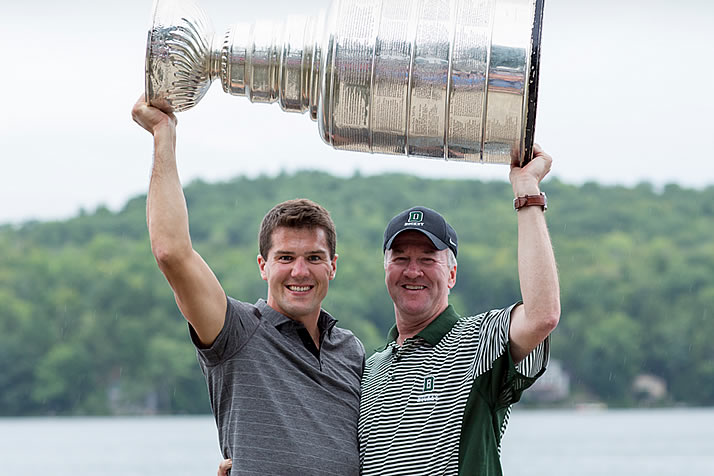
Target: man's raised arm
(198, 293)
(533, 321)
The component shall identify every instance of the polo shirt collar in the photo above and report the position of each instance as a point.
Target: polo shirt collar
(435, 331)
(325, 321)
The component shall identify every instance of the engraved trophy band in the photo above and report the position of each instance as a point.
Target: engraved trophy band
(450, 79)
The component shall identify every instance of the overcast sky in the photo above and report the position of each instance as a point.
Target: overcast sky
(625, 96)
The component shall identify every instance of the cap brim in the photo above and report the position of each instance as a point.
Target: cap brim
(438, 244)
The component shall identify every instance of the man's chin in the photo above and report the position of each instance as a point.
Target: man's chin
(298, 310)
(412, 309)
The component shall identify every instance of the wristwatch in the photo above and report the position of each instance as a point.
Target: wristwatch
(530, 200)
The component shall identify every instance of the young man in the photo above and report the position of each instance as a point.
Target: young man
(436, 398)
(283, 380)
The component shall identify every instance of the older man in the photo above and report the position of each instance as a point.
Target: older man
(436, 398)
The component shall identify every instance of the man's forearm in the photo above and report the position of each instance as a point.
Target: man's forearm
(537, 270)
(166, 213)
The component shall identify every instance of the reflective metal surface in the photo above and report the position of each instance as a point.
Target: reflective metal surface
(178, 55)
(452, 79)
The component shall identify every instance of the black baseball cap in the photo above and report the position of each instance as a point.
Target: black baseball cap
(426, 221)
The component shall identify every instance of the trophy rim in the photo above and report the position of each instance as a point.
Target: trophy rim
(147, 53)
(180, 62)
(149, 93)
(532, 102)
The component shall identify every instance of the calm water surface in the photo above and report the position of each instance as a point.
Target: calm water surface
(552, 443)
(669, 442)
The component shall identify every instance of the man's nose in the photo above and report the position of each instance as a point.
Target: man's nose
(299, 268)
(413, 269)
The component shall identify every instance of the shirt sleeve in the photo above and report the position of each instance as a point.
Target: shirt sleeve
(514, 378)
(535, 363)
(241, 322)
(492, 338)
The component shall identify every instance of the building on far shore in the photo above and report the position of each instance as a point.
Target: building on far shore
(553, 386)
(649, 388)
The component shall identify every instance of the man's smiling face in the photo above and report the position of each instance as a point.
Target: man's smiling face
(418, 277)
(298, 270)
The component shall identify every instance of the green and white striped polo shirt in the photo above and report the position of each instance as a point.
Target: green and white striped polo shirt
(439, 403)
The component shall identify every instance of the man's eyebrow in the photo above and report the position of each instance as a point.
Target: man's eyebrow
(314, 252)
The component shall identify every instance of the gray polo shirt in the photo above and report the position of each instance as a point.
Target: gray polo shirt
(281, 407)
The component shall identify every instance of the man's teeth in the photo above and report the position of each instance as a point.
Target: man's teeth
(299, 288)
(414, 288)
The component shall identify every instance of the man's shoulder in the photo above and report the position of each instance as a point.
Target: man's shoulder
(347, 338)
(492, 313)
(489, 318)
(473, 325)
(242, 307)
(343, 332)
(488, 329)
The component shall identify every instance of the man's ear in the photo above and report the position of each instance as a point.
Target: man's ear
(261, 267)
(333, 263)
(452, 277)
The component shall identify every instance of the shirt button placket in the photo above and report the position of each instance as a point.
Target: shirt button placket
(395, 358)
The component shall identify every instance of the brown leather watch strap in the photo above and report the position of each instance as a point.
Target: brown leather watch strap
(531, 200)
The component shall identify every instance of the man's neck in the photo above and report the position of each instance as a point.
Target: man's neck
(409, 326)
(309, 321)
(311, 324)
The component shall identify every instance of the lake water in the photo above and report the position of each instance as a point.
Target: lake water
(610, 443)
(538, 442)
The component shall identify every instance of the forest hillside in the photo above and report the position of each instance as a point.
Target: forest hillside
(88, 325)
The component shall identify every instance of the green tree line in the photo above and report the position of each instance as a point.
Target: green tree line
(88, 325)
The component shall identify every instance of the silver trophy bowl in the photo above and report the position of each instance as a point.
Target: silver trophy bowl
(450, 79)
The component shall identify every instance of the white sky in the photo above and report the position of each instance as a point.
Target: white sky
(625, 96)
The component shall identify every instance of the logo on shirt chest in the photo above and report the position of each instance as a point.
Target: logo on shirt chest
(428, 393)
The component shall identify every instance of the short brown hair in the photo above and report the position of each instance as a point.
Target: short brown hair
(298, 213)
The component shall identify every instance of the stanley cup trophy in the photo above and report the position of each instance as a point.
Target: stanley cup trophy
(451, 79)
